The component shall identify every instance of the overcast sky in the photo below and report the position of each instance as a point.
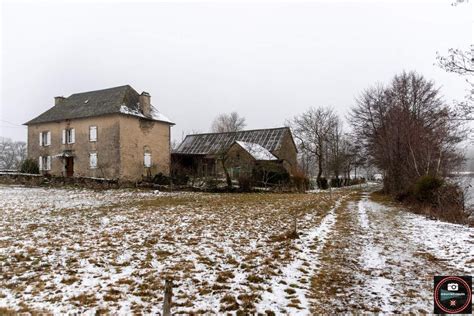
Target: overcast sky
(268, 61)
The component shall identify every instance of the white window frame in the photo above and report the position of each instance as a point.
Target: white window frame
(147, 162)
(45, 138)
(91, 160)
(70, 136)
(44, 163)
(93, 133)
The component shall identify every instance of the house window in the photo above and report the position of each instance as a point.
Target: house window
(45, 138)
(93, 133)
(147, 160)
(69, 136)
(44, 163)
(93, 160)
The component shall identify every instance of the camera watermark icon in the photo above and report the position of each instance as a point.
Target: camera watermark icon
(452, 295)
(452, 287)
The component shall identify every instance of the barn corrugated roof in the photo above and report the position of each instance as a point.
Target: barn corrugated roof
(123, 99)
(213, 143)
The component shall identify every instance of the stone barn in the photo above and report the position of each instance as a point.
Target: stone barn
(243, 152)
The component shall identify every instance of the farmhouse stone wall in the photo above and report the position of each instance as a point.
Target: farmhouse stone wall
(106, 146)
(120, 145)
(138, 136)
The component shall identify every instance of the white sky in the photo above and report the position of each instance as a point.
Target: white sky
(268, 61)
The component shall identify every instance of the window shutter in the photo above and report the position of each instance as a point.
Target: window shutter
(93, 160)
(40, 163)
(48, 138)
(73, 136)
(147, 160)
(64, 136)
(41, 138)
(93, 133)
(48, 163)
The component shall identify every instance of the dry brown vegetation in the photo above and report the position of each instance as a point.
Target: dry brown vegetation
(220, 250)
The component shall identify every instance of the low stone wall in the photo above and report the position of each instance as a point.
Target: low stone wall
(15, 178)
(41, 180)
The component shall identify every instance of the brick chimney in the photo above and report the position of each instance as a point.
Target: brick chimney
(145, 103)
(59, 100)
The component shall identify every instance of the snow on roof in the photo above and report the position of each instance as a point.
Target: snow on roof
(257, 151)
(154, 115)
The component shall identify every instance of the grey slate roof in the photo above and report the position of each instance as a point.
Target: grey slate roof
(123, 99)
(213, 143)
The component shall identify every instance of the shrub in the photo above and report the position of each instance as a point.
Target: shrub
(450, 204)
(445, 201)
(245, 183)
(323, 183)
(29, 166)
(356, 181)
(180, 179)
(269, 175)
(336, 183)
(211, 184)
(425, 188)
(300, 181)
(161, 179)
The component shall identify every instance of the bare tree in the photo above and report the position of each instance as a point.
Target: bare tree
(312, 130)
(223, 157)
(231, 122)
(336, 155)
(12, 153)
(307, 163)
(407, 129)
(174, 144)
(344, 154)
(461, 62)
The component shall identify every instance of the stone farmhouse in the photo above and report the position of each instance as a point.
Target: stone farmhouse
(113, 133)
(202, 155)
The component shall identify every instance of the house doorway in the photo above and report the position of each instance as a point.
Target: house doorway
(69, 166)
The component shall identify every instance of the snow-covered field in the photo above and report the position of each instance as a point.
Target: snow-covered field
(82, 251)
(86, 251)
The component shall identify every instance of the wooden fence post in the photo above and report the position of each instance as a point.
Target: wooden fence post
(167, 298)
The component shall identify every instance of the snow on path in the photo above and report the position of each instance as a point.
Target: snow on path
(373, 259)
(292, 274)
(403, 251)
(382, 259)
